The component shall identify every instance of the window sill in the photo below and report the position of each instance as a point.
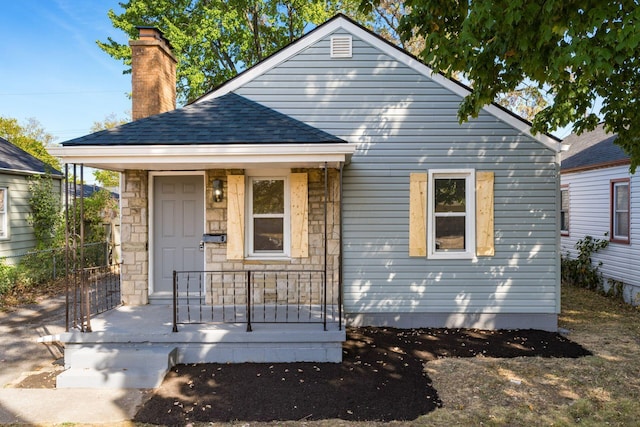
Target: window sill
(621, 241)
(450, 255)
(267, 261)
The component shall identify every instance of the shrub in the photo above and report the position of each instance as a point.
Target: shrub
(46, 211)
(40, 267)
(581, 271)
(8, 277)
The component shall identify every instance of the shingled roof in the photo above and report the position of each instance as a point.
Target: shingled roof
(592, 149)
(229, 119)
(15, 159)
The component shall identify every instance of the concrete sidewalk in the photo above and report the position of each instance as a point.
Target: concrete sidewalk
(81, 406)
(21, 355)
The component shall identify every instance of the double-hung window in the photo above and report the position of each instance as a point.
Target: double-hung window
(268, 210)
(620, 210)
(451, 214)
(564, 210)
(4, 217)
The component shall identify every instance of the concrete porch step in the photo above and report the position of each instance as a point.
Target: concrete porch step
(116, 367)
(111, 378)
(118, 356)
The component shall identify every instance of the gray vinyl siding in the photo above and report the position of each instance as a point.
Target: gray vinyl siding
(589, 215)
(404, 122)
(20, 238)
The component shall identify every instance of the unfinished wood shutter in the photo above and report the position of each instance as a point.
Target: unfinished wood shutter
(484, 214)
(418, 214)
(299, 215)
(235, 217)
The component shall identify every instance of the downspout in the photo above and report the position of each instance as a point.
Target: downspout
(558, 236)
(340, 248)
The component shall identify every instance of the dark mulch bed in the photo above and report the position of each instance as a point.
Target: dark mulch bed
(381, 378)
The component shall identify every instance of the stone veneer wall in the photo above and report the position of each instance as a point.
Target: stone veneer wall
(134, 206)
(216, 222)
(135, 233)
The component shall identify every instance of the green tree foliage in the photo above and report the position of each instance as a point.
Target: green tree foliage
(110, 121)
(216, 39)
(105, 178)
(46, 211)
(580, 51)
(98, 209)
(387, 15)
(31, 137)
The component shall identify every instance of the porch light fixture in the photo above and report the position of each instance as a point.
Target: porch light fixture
(217, 190)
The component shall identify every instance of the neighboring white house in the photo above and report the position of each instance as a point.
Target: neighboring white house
(600, 199)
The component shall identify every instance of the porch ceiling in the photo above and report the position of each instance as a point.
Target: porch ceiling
(201, 157)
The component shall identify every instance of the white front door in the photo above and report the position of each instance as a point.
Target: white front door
(178, 209)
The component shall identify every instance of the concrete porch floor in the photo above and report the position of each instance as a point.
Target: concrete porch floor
(134, 346)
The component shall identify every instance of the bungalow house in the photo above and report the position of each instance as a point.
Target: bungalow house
(16, 167)
(598, 200)
(336, 173)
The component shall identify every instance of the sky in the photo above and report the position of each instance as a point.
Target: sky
(51, 68)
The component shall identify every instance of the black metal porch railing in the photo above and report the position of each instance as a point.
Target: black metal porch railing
(264, 296)
(92, 291)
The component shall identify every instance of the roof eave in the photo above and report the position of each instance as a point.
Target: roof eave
(201, 157)
(603, 165)
(10, 171)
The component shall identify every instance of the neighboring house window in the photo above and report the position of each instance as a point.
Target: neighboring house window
(268, 216)
(564, 210)
(620, 210)
(4, 217)
(451, 214)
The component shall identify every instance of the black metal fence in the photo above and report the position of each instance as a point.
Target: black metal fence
(50, 264)
(92, 291)
(264, 296)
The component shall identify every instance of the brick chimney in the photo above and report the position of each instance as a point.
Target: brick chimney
(153, 74)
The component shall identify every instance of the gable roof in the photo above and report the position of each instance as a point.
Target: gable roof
(15, 160)
(222, 120)
(343, 22)
(590, 150)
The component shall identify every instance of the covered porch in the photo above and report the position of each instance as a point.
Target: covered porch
(135, 346)
(231, 243)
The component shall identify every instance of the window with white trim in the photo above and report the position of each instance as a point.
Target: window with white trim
(4, 217)
(564, 210)
(268, 216)
(451, 214)
(620, 210)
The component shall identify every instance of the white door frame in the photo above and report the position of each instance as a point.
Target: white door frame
(151, 250)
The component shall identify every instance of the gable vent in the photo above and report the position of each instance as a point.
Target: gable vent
(341, 47)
